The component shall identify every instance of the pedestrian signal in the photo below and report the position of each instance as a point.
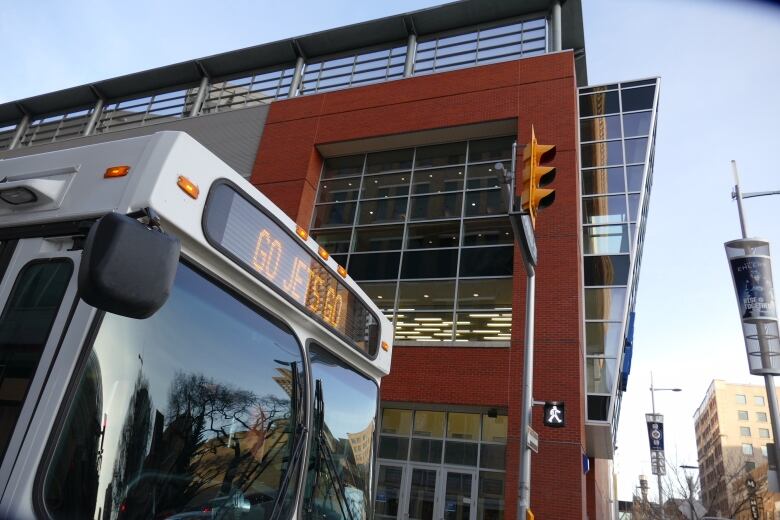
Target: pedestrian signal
(554, 414)
(533, 196)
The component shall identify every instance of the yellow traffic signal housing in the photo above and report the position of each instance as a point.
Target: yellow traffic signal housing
(535, 176)
(528, 514)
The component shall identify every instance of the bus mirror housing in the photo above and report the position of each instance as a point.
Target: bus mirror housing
(126, 267)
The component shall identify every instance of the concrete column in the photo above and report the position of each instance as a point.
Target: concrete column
(93, 119)
(556, 27)
(411, 52)
(21, 128)
(297, 75)
(202, 89)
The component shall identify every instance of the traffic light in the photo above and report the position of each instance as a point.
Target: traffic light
(533, 197)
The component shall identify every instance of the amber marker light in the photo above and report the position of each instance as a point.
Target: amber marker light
(188, 187)
(385, 346)
(116, 171)
(342, 271)
(324, 253)
(301, 233)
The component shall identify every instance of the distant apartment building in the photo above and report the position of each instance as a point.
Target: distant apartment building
(732, 431)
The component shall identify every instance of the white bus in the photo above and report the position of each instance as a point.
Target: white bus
(172, 346)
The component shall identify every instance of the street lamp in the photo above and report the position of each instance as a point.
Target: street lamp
(657, 454)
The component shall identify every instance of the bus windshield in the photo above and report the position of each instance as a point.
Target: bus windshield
(192, 413)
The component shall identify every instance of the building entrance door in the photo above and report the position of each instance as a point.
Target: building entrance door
(458, 492)
(422, 494)
(389, 488)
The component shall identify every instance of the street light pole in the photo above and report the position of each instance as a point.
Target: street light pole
(653, 390)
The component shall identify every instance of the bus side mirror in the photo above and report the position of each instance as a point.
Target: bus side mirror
(126, 267)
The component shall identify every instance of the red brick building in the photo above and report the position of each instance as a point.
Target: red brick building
(382, 139)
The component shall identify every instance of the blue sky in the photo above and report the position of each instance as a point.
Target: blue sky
(720, 68)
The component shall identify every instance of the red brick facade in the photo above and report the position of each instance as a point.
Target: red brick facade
(539, 91)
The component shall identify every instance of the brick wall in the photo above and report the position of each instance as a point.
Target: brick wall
(538, 90)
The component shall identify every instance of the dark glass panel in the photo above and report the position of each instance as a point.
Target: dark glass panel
(485, 293)
(609, 153)
(438, 180)
(598, 407)
(490, 505)
(382, 294)
(482, 176)
(393, 447)
(599, 104)
(335, 242)
(492, 456)
(604, 210)
(486, 261)
(633, 206)
(382, 211)
(388, 492)
(600, 88)
(426, 450)
(636, 123)
(389, 185)
(634, 174)
(605, 304)
(430, 207)
(606, 270)
(437, 263)
(636, 150)
(490, 231)
(638, 83)
(498, 149)
(441, 155)
(435, 234)
(342, 166)
(638, 98)
(338, 190)
(602, 338)
(428, 295)
(605, 239)
(600, 128)
(378, 238)
(600, 375)
(329, 215)
(485, 202)
(603, 180)
(374, 266)
(461, 453)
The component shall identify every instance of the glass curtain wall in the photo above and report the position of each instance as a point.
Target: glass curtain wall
(616, 130)
(425, 233)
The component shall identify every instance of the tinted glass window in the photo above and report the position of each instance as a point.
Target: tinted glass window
(342, 166)
(495, 261)
(441, 155)
(599, 104)
(192, 410)
(606, 270)
(439, 263)
(374, 266)
(609, 153)
(437, 234)
(605, 239)
(24, 327)
(342, 444)
(636, 123)
(603, 180)
(600, 128)
(389, 161)
(638, 98)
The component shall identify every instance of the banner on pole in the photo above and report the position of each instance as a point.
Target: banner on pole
(753, 285)
(655, 434)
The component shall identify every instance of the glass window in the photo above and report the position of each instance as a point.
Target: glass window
(740, 399)
(25, 324)
(485, 202)
(492, 456)
(602, 338)
(374, 266)
(463, 426)
(484, 326)
(637, 98)
(607, 153)
(438, 180)
(482, 176)
(764, 451)
(396, 448)
(604, 210)
(494, 429)
(599, 104)
(335, 242)
(428, 424)
(441, 155)
(605, 304)
(426, 450)
(382, 293)
(389, 161)
(338, 190)
(378, 238)
(342, 166)
(637, 123)
(606, 270)
(397, 422)
(744, 431)
(431, 207)
(600, 128)
(487, 231)
(485, 293)
(331, 215)
(461, 453)
(493, 261)
(427, 326)
(433, 235)
(600, 374)
(490, 504)
(763, 433)
(388, 492)
(635, 174)
(747, 449)
(341, 452)
(605, 239)
(499, 149)
(742, 415)
(761, 416)
(750, 466)
(758, 400)
(156, 424)
(436, 263)
(598, 407)
(439, 294)
(382, 211)
(387, 185)
(636, 149)
(603, 180)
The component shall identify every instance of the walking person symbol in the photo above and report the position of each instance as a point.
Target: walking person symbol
(554, 415)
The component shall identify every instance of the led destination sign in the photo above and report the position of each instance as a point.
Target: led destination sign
(243, 231)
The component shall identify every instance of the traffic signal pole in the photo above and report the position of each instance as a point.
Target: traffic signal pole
(524, 486)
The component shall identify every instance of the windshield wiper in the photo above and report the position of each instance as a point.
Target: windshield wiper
(299, 437)
(324, 453)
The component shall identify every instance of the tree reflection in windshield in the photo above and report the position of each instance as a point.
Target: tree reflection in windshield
(198, 419)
